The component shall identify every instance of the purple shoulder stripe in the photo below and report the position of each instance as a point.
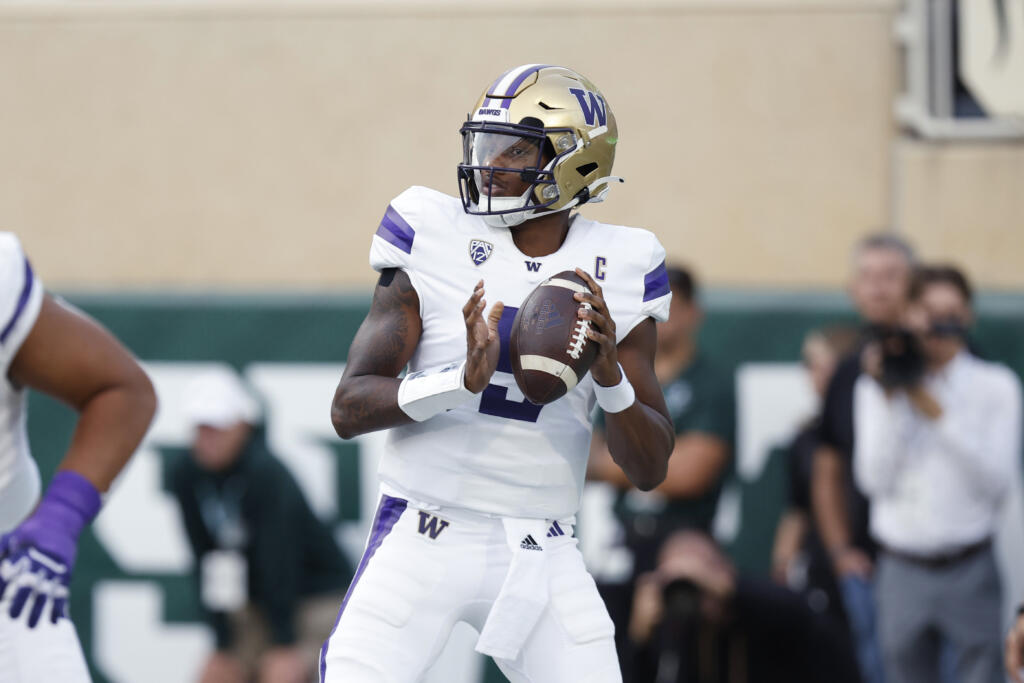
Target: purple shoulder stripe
(395, 230)
(388, 513)
(26, 291)
(656, 283)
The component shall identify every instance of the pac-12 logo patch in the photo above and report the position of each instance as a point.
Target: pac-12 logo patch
(480, 251)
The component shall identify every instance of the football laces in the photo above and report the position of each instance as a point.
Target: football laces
(579, 335)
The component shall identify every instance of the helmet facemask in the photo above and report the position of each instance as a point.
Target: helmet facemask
(498, 159)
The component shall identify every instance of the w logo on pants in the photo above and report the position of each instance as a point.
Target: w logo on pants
(429, 524)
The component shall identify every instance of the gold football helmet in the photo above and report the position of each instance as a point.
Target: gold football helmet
(545, 128)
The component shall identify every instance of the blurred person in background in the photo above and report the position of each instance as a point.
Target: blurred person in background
(701, 402)
(938, 438)
(695, 620)
(799, 559)
(47, 346)
(1015, 648)
(880, 281)
(269, 572)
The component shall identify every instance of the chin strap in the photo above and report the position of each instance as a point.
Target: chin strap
(511, 220)
(588, 192)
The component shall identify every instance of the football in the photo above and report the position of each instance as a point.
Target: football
(549, 347)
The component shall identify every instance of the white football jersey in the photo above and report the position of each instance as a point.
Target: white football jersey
(498, 453)
(21, 296)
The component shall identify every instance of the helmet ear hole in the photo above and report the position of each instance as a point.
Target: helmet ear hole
(586, 169)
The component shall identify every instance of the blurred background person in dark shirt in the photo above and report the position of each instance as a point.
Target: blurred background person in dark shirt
(700, 396)
(695, 620)
(269, 572)
(799, 559)
(882, 267)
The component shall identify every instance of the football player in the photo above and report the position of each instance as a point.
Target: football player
(479, 487)
(51, 348)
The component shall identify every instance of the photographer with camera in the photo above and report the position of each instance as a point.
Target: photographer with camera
(695, 620)
(882, 265)
(937, 438)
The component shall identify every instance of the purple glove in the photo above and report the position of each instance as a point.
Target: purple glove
(36, 558)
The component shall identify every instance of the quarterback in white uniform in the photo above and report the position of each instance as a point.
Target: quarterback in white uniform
(48, 347)
(479, 487)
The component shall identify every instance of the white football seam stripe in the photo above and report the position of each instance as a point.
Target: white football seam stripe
(567, 284)
(552, 367)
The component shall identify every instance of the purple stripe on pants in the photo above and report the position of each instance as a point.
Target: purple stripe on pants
(388, 513)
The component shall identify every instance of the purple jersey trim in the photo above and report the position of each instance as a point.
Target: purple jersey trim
(26, 290)
(388, 513)
(519, 81)
(395, 230)
(656, 283)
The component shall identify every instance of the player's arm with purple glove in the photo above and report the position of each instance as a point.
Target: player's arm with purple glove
(73, 359)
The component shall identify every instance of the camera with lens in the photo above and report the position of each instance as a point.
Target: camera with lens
(903, 359)
(682, 600)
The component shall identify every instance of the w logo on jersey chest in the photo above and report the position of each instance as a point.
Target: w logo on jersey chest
(429, 524)
(480, 251)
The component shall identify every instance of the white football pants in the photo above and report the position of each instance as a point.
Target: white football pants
(48, 652)
(426, 569)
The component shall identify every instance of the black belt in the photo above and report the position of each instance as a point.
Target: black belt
(943, 560)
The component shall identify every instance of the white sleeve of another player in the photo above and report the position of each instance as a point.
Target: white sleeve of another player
(21, 297)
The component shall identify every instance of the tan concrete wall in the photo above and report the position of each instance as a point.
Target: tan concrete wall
(964, 203)
(256, 145)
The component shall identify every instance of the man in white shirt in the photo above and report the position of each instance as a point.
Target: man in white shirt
(936, 456)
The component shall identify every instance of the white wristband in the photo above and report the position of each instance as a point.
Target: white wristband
(617, 398)
(427, 393)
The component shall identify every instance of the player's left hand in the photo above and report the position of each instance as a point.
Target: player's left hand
(605, 369)
(30, 577)
(37, 557)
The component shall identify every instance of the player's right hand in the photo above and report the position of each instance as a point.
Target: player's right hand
(482, 343)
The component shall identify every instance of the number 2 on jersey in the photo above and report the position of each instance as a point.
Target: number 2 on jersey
(493, 400)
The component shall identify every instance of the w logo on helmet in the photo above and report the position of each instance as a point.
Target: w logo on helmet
(593, 106)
